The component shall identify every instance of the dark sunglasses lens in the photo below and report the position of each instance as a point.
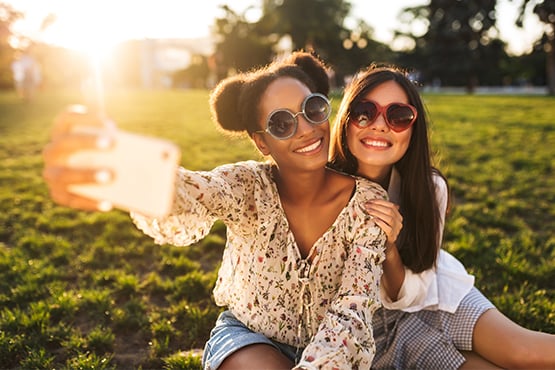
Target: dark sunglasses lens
(317, 109)
(363, 114)
(281, 124)
(400, 116)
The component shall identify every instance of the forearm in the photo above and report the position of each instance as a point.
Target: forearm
(393, 272)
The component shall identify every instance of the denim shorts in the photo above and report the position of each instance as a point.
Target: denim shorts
(230, 335)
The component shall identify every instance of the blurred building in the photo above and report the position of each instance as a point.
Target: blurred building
(161, 58)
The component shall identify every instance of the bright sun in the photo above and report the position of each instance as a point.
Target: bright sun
(90, 29)
(96, 26)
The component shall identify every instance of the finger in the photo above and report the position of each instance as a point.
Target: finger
(59, 177)
(390, 225)
(391, 238)
(75, 201)
(60, 149)
(384, 206)
(388, 212)
(383, 216)
(76, 116)
(384, 202)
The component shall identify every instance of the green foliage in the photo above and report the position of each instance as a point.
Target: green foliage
(313, 25)
(183, 361)
(88, 290)
(8, 16)
(457, 48)
(240, 47)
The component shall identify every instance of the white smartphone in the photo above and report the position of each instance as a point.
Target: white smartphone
(144, 170)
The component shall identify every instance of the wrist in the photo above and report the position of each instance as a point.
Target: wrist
(391, 250)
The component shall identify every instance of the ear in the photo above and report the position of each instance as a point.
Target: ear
(260, 142)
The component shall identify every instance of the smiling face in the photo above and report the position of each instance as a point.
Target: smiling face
(308, 148)
(376, 147)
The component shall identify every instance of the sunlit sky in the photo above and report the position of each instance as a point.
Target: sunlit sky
(93, 25)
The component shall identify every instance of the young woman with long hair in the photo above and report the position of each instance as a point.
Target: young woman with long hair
(439, 320)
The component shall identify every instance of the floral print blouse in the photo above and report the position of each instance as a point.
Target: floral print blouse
(323, 305)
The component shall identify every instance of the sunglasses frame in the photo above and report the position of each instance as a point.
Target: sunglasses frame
(294, 115)
(382, 110)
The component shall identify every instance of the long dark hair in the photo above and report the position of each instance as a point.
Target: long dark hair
(419, 240)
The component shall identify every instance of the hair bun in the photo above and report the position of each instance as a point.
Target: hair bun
(314, 68)
(224, 105)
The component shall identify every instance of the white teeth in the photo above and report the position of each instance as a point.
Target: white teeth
(382, 144)
(309, 148)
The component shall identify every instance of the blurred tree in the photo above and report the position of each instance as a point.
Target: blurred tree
(361, 50)
(196, 75)
(239, 47)
(311, 24)
(526, 69)
(319, 26)
(545, 10)
(7, 53)
(457, 48)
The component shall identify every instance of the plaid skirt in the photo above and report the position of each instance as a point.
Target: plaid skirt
(427, 339)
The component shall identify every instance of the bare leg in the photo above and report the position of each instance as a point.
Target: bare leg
(507, 344)
(475, 362)
(257, 356)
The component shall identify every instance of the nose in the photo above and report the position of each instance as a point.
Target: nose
(379, 123)
(303, 126)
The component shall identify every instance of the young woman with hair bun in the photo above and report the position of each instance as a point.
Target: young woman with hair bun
(301, 269)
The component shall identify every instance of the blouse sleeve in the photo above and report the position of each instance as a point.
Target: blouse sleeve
(413, 293)
(345, 339)
(202, 197)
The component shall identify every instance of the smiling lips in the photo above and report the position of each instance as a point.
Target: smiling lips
(310, 148)
(376, 143)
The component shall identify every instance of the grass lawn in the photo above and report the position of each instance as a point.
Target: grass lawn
(87, 290)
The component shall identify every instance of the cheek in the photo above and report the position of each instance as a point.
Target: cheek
(403, 140)
(351, 139)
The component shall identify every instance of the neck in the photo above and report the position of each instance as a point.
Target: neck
(381, 175)
(300, 187)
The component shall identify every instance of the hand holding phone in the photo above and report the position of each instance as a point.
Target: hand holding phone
(140, 170)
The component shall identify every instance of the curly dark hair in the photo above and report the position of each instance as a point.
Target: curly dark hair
(235, 101)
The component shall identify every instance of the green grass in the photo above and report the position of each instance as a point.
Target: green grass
(499, 154)
(88, 290)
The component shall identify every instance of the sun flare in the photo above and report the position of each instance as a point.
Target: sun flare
(87, 29)
(95, 27)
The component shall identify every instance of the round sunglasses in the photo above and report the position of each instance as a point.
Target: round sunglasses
(398, 116)
(282, 123)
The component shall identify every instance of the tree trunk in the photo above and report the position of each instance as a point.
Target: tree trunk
(550, 63)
